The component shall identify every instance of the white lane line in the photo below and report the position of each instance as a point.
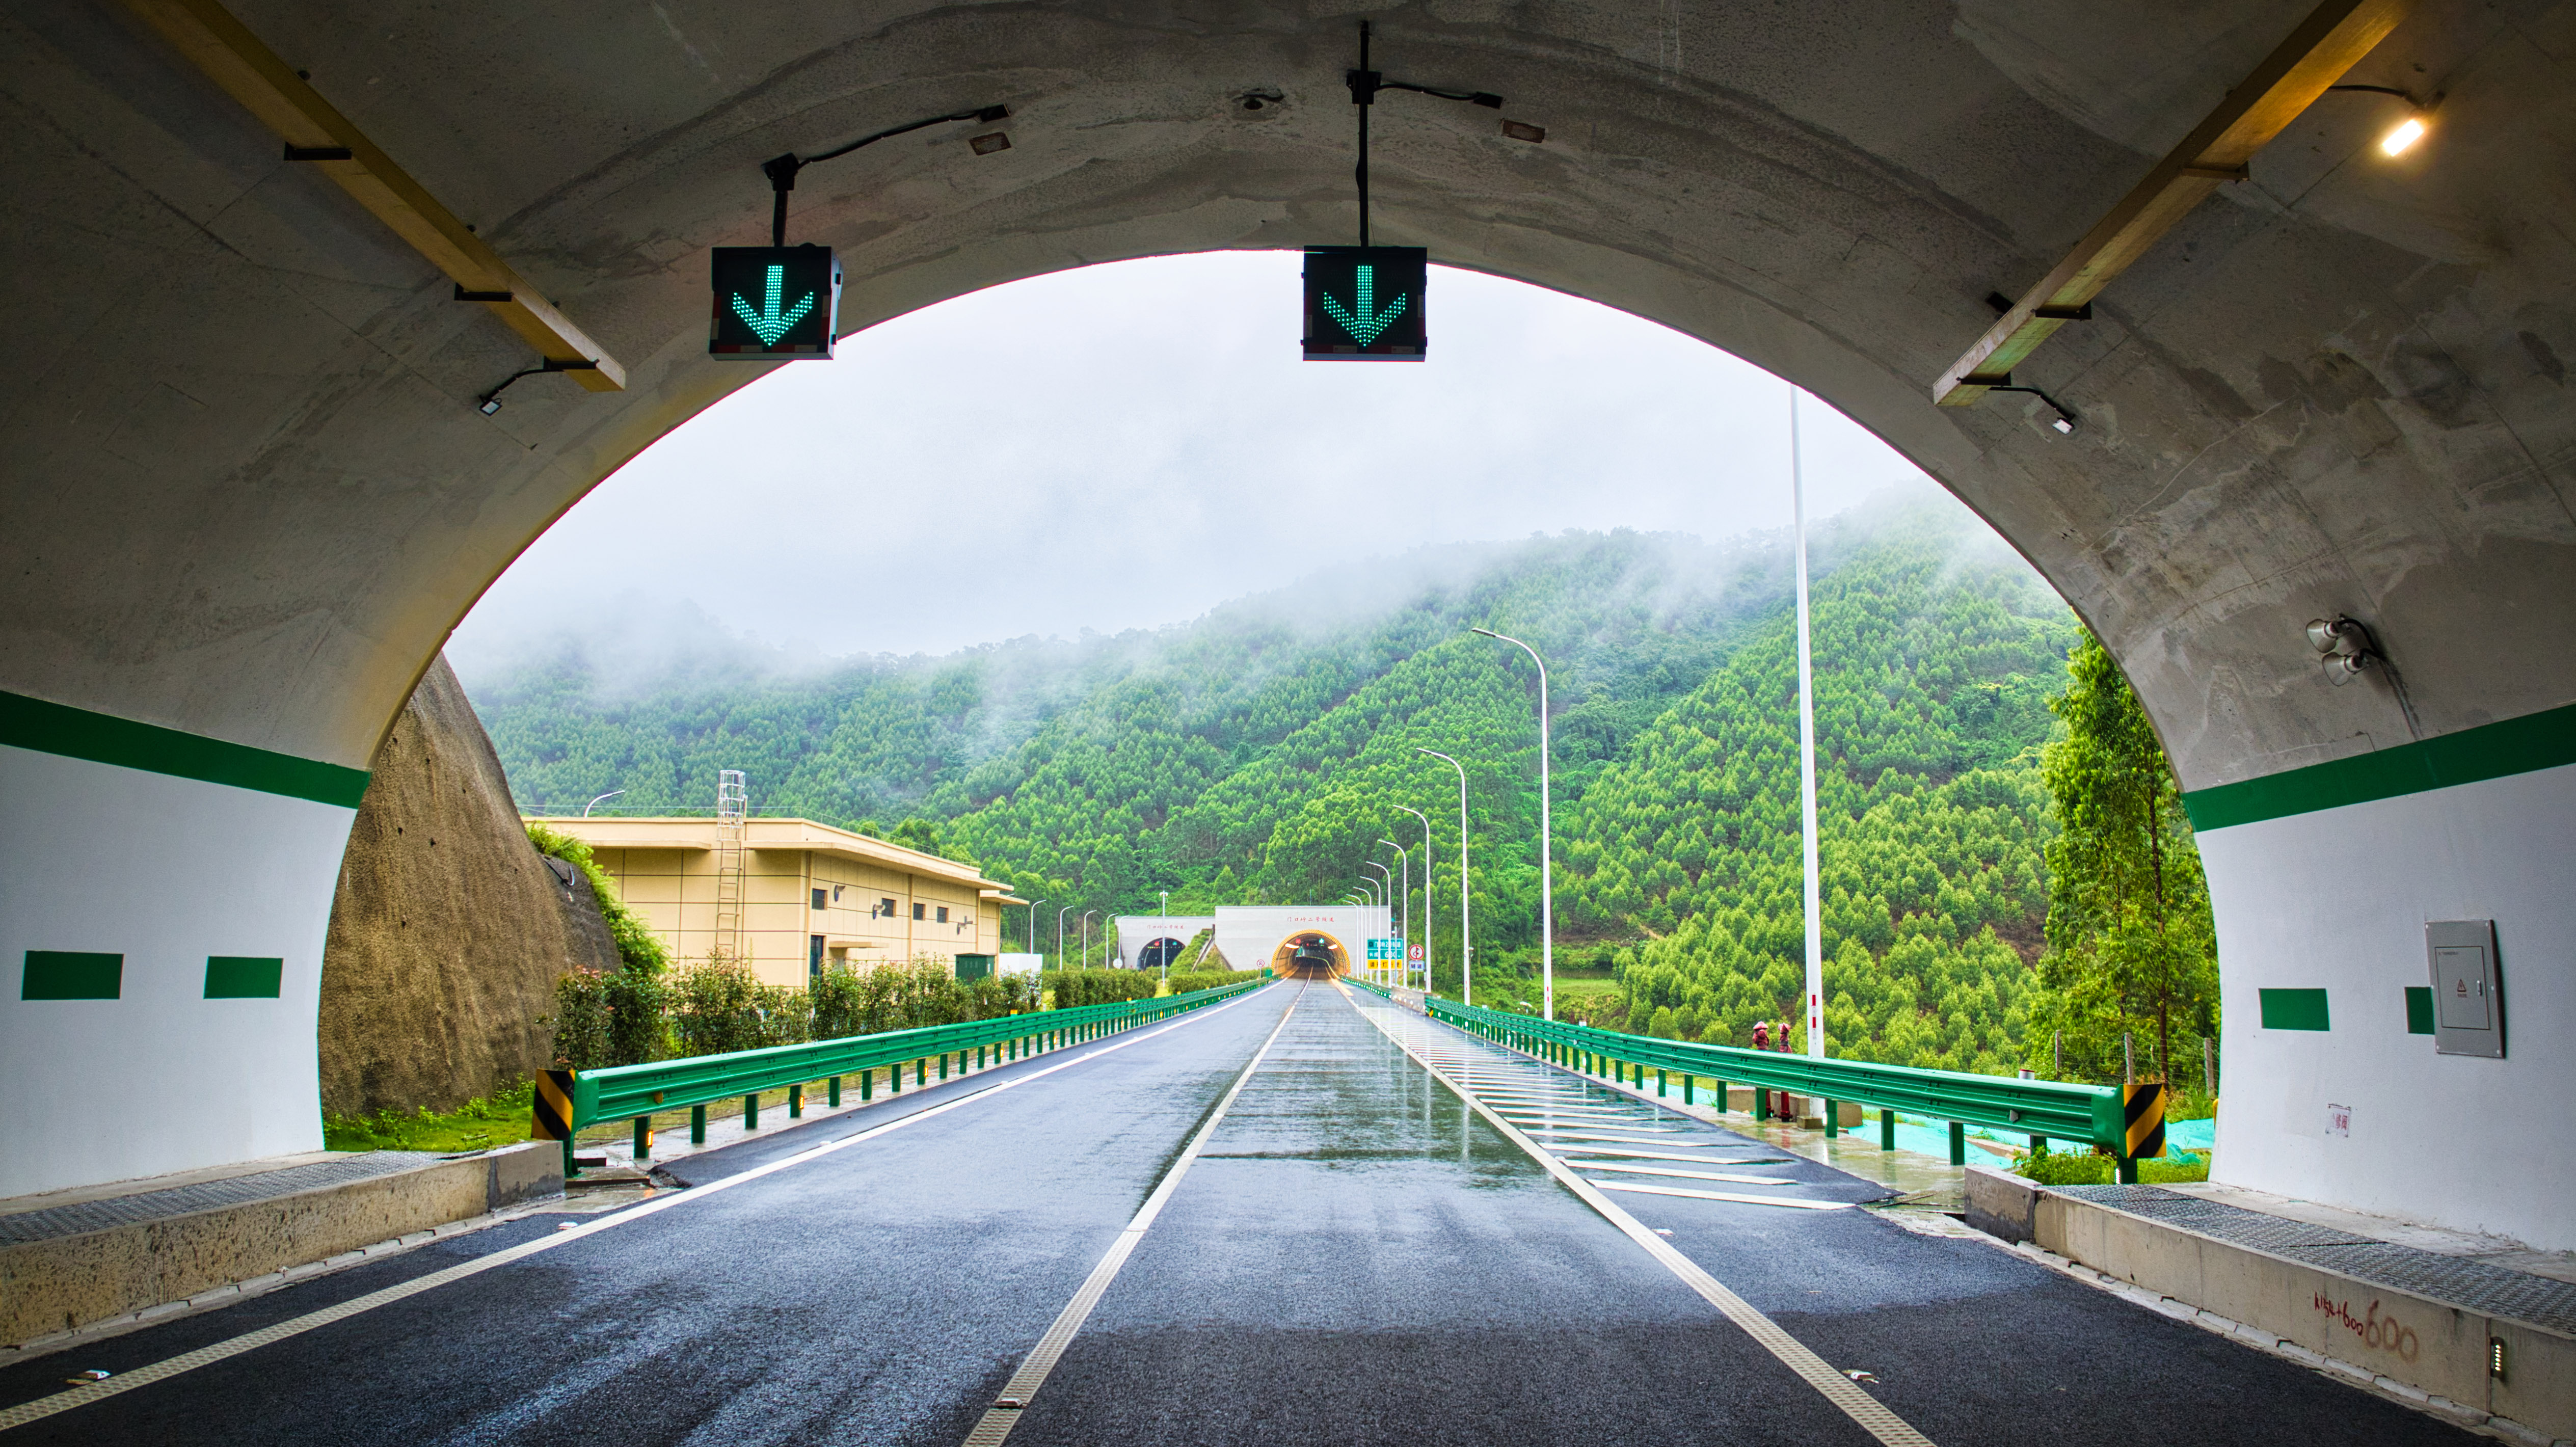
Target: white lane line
(1571, 1151)
(1873, 1415)
(1683, 1175)
(82, 1396)
(1643, 1189)
(1022, 1388)
(1640, 1138)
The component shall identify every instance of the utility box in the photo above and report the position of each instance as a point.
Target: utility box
(2468, 987)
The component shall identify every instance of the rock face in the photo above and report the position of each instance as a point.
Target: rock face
(449, 929)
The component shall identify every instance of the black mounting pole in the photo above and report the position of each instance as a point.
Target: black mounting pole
(1364, 85)
(781, 171)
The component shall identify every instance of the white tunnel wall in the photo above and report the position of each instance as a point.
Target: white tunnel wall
(2337, 900)
(166, 872)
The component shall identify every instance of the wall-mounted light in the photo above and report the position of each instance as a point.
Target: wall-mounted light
(2344, 647)
(2410, 128)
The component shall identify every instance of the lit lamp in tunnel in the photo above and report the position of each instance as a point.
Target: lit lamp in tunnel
(2410, 128)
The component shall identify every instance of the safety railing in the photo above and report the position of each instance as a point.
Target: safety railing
(2040, 1109)
(569, 1100)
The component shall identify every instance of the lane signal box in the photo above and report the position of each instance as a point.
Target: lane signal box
(774, 303)
(1364, 303)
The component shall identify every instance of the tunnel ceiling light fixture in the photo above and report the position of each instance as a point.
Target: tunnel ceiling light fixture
(2344, 646)
(2402, 136)
(2330, 41)
(316, 134)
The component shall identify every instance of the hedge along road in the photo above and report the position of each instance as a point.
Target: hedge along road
(1354, 1255)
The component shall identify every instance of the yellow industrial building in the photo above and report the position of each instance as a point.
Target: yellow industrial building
(791, 896)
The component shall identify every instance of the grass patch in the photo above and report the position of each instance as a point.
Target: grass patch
(503, 1118)
(2072, 1168)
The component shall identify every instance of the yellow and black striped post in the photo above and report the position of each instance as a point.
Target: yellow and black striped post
(2143, 1105)
(554, 1114)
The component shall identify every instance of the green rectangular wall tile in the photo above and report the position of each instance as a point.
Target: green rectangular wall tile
(2294, 1010)
(243, 977)
(71, 975)
(2419, 1009)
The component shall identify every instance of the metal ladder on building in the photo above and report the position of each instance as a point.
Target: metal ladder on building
(732, 801)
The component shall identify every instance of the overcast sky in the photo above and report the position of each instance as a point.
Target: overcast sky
(1130, 445)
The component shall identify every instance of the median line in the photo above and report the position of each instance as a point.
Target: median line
(144, 1376)
(1022, 1388)
(1872, 1415)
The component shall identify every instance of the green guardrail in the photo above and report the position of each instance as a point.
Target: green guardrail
(2042, 1109)
(618, 1092)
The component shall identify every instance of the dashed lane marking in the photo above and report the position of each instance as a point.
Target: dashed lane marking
(1793, 1202)
(1683, 1175)
(1022, 1389)
(82, 1396)
(1872, 1415)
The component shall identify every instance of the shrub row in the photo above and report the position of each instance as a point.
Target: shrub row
(626, 1017)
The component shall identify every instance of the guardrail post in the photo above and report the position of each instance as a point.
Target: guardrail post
(1659, 1084)
(1721, 1102)
(572, 1171)
(1761, 1103)
(2128, 1170)
(2038, 1143)
(943, 1065)
(796, 1101)
(751, 1111)
(1887, 1128)
(643, 1150)
(867, 1083)
(1958, 1143)
(697, 1125)
(1833, 1119)
(1687, 1098)
(832, 1093)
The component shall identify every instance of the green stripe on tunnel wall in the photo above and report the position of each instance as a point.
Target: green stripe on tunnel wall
(243, 977)
(2294, 1009)
(77, 733)
(71, 975)
(2545, 740)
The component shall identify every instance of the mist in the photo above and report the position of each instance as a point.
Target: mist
(1122, 447)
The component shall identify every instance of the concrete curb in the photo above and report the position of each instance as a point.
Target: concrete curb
(2296, 1309)
(49, 1288)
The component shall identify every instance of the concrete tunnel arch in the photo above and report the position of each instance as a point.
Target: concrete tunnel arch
(269, 496)
(1310, 954)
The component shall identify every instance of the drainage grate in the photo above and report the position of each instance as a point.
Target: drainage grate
(72, 1220)
(2461, 1281)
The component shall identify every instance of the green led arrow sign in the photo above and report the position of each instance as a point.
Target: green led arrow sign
(1364, 303)
(769, 324)
(1362, 320)
(774, 303)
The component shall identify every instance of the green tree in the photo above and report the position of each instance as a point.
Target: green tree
(2131, 947)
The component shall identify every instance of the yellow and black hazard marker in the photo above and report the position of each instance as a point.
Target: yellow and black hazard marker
(2143, 1104)
(554, 1114)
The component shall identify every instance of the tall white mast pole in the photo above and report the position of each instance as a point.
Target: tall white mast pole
(1807, 749)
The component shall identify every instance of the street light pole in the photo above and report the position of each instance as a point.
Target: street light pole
(1807, 750)
(602, 799)
(1163, 925)
(1404, 892)
(1546, 843)
(1059, 937)
(1426, 894)
(1086, 937)
(1385, 889)
(1466, 937)
(1033, 924)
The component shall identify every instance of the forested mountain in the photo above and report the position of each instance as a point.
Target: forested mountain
(1259, 754)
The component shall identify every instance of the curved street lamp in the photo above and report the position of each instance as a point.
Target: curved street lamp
(1059, 937)
(602, 799)
(1466, 940)
(1086, 937)
(1033, 924)
(1426, 894)
(1546, 848)
(1404, 891)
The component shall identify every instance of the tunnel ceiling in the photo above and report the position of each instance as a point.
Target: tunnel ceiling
(250, 493)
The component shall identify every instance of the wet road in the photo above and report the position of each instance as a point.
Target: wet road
(1346, 1252)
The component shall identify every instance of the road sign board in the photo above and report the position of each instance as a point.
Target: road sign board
(1364, 303)
(774, 303)
(1386, 949)
(1413, 953)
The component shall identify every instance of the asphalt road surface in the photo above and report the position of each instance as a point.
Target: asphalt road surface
(1333, 1247)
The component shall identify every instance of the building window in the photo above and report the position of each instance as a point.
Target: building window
(916, 911)
(814, 957)
(885, 907)
(943, 914)
(821, 899)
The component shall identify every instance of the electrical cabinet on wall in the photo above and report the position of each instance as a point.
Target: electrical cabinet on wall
(2468, 989)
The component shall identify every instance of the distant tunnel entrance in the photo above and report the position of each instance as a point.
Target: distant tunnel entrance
(1309, 956)
(1164, 951)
